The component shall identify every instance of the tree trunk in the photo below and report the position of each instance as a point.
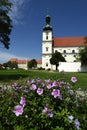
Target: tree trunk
(56, 67)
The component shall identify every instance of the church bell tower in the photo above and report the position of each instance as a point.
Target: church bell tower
(47, 44)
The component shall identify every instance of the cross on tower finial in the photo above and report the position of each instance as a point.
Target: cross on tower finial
(47, 11)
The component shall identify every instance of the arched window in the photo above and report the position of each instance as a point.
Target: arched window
(64, 55)
(74, 56)
(64, 51)
(56, 51)
(73, 51)
(46, 64)
(46, 37)
(46, 48)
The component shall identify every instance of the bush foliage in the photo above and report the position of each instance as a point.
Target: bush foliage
(43, 105)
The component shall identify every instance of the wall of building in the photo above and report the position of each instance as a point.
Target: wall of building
(69, 53)
(71, 67)
(22, 66)
(39, 65)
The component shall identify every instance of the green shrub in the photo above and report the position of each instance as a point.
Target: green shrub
(43, 105)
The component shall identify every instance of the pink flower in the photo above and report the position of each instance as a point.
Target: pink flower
(74, 79)
(18, 110)
(49, 86)
(40, 91)
(23, 101)
(56, 93)
(33, 87)
(15, 84)
(54, 84)
(46, 110)
(47, 80)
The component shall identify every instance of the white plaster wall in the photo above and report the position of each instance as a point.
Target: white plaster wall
(71, 67)
(68, 49)
(46, 59)
(69, 56)
(39, 65)
(22, 66)
(48, 45)
(49, 33)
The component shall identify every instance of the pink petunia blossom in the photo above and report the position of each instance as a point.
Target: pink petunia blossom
(49, 86)
(18, 110)
(48, 112)
(54, 84)
(74, 79)
(56, 93)
(15, 84)
(47, 80)
(23, 101)
(40, 91)
(33, 87)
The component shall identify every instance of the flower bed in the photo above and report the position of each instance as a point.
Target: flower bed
(43, 105)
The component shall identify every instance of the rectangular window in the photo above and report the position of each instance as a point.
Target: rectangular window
(46, 64)
(73, 51)
(64, 51)
(46, 48)
(47, 37)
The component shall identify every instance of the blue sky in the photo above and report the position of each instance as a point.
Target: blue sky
(68, 19)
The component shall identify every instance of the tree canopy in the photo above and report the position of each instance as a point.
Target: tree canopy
(56, 58)
(83, 56)
(5, 22)
(32, 64)
(10, 65)
(83, 53)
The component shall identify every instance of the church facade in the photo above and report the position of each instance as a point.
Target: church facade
(68, 47)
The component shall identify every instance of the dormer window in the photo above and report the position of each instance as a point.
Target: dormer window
(46, 48)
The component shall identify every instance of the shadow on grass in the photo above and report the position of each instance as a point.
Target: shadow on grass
(11, 77)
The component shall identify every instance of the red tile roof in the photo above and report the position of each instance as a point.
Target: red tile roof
(39, 61)
(68, 42)
(13, 60)
(18, 61)
(24, 61)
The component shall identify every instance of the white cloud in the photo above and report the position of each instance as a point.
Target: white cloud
(5, 57)
(17, 10)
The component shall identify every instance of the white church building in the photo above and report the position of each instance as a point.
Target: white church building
(68, 46)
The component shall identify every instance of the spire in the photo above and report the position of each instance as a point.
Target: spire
(48, 19)
(47, 26)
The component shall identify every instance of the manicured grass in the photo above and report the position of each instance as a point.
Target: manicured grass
(8, 76)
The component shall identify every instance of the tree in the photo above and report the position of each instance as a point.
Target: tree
(5, 22)
(83, 53)
(10, 65)
(85, 40)
(56, 58)
(32, 64)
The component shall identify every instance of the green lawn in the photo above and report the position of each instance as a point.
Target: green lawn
(9, 76)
